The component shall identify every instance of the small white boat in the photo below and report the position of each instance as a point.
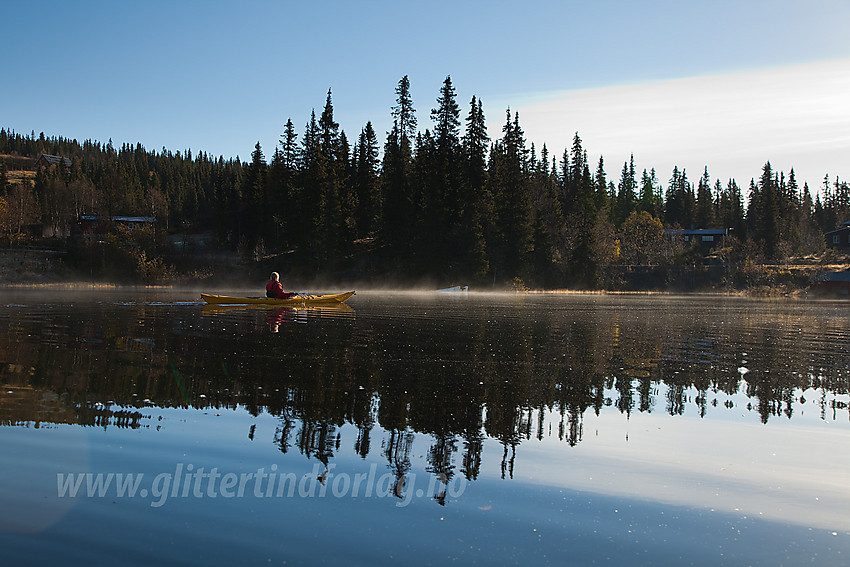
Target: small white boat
(455, 289)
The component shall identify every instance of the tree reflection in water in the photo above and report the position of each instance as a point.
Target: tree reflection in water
(480, 369)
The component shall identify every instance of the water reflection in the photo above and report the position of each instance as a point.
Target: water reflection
(480, 368)
(293, 314)
(507, 369)
(626, 430)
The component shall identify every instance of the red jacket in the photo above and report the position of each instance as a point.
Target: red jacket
(274, 289)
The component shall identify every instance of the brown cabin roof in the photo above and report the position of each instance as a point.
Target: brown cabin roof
(47, 159)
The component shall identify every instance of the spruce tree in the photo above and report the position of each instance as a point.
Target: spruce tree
(367, 182)
(764, 213)
(789, 210)
(649, 199)
(680, 202)
(280, 187)
(475, 208)
(734, 218)
(328, 130)
(704, 213)
(475, 143)
(446, 117)
(572, 166)
(399, 213)
(579, 161)
(306, 224)
(289, 146)
(549, 234)
(600, 189)
(512, 202)
(330, 173)
(626, 200)
(589, 198)
(403, 112)
(443, 210)
(254, 201)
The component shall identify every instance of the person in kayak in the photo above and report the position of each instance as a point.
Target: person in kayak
(275, 289)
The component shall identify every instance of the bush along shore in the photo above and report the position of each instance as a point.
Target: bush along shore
(113, 261)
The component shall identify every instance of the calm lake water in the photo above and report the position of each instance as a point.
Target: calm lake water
(140, 427)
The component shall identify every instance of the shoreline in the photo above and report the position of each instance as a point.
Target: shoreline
(34, 268)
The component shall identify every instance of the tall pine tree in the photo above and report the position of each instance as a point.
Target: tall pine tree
(509, 185)
(367, 182)
(442, 191)
(763, 213)
(704, 212)
(399, 213)
(476, 206)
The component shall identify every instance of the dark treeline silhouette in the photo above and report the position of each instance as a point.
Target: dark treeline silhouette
(446, 203)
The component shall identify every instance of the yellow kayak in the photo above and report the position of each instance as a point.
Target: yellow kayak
(297, 300)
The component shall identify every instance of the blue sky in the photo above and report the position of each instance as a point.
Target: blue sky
(654, 78)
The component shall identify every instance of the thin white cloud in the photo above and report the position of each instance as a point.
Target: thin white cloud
(795, 117)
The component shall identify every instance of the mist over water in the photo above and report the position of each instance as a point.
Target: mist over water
(492, 427)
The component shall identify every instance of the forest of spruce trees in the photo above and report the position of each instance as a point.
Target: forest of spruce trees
(446, 204)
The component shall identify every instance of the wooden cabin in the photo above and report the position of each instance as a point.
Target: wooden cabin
(99, 226)
(703, 237)
(47, 160)
(839, 238)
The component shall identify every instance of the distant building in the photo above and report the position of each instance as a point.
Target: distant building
(98, 226)
(704, 237)
(833, 283)
(46, 160)
(840, 237)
